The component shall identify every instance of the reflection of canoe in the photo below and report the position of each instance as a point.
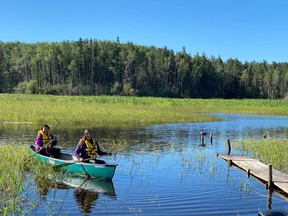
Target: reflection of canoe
(93, 185)
(273, 212)
(66, 163)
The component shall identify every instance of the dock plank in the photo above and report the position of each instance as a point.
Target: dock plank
(258, 169)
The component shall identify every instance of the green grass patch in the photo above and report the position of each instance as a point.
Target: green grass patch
(21, 174)
(124, 111)
(270, 151)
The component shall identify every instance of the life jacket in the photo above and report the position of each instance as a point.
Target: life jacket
(45, 138)
(92, 147)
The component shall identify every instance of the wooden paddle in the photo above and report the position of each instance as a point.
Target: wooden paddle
(67, 164)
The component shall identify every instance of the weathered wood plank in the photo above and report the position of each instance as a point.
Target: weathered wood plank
(258, 169)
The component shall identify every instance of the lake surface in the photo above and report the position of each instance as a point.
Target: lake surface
(166, 172)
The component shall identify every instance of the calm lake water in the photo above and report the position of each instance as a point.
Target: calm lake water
(166, 172)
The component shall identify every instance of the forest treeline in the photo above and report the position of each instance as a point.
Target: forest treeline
(92, 67)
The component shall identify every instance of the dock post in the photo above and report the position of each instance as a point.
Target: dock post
(248, 173)
(270, 179)
(229, 147)
(202, 139)
(211, 137)
(229, 162)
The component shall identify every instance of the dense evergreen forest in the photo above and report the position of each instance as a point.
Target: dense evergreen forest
(92, 67)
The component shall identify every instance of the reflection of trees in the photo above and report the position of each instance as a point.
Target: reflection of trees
(85, 198)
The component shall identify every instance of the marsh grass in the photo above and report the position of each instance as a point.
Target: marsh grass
(115, 146)
(100, 110)
(123, 111)
(272, 151)
(19, 172)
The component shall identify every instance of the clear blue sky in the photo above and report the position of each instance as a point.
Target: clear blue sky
(244, 29)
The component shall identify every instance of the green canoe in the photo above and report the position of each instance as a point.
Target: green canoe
(65, 162)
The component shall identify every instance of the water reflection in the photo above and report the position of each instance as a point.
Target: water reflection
(87, 190)
(95, 185)
(85, 199)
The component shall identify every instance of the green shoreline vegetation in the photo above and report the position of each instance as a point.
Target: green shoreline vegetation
(112, 111)
(21, 175)
(124, 111)
(270, 151)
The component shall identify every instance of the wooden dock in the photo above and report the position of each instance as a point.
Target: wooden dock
(264, 173)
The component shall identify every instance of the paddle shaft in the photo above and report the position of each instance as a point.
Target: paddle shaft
(67, 164)
(43, 146)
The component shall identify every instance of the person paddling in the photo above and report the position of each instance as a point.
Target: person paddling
(88, 148)
(45, 142)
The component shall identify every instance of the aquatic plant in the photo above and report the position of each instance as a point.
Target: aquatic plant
(270, 150)
(20, 174)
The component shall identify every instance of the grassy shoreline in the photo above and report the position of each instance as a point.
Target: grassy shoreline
(118, 110)
(273, 151)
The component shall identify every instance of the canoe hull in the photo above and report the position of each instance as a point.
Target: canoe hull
(104, 171)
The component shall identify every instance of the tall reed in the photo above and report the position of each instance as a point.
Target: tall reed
(20, 174)
(272, 151)
(119, 111)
